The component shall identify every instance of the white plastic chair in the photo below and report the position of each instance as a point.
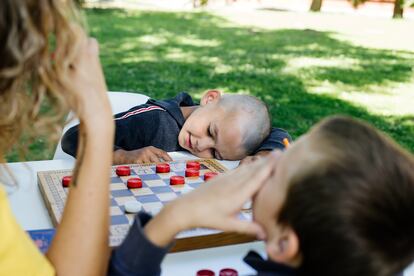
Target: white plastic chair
(120, 101)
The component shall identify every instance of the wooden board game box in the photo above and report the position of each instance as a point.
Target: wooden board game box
(155, 192)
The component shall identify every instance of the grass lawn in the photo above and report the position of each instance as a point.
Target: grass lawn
(303, 75)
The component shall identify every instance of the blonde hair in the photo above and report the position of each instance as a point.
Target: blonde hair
(38, 41)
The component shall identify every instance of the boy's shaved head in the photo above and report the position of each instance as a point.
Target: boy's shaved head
(253, 116)
(227, 126)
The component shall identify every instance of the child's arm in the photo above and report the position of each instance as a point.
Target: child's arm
(224, 196)
(131, 137)
(274, 140)
(80, 246)
(71, 137)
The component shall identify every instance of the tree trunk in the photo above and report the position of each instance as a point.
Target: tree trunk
(317, 5)
(398, 9)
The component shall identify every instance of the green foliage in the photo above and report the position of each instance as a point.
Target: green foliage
(160, 54)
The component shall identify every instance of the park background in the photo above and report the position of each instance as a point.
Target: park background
(304, 65)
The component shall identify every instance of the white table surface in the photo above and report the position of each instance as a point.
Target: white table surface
(28, 206)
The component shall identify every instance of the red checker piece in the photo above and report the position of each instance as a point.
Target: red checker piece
(123, 170)
(209, 175)
(66, 181)
(162, 168)
(228, 272)
(205, 272)
(177, 180)
(134, 183)
(192, 173)
(193, 165)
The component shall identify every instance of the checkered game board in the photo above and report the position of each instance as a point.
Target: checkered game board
(156, 191)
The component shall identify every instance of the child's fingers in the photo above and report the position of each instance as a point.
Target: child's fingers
(255, 175)
(247, 160)
(241, 183)
(153, 158)
(164, 155)
(245, 227)
(144, 159)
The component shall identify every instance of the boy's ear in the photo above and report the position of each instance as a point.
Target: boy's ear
(284, 248)
(210, 96)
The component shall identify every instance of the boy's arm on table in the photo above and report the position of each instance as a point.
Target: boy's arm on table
(127, 135)
(273, 141)
(225, 196)
(70, 140)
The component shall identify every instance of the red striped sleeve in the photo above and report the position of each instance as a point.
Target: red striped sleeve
(139, 111)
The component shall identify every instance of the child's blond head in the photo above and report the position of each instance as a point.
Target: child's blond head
(351, 201)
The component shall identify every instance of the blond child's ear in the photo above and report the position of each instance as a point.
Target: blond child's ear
(284, 248)
(211, 96)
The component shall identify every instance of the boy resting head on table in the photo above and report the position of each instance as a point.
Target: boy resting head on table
(339, 201)
(229, 126)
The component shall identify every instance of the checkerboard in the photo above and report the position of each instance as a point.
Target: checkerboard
(154, 194)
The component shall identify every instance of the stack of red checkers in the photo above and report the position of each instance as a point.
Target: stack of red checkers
(66, 181)
(193, 165)
(134, 183)
(228, 272)
(162, 168)
(123, 170)
(192, 173)
(177, 180)
(209, 175)
(205, 272)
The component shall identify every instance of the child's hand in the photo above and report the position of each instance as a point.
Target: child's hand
(145, 155)
(214, 204)
(251, 158)
(86, 81)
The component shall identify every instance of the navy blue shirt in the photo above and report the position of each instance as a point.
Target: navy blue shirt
(157, 123)
(140, 257)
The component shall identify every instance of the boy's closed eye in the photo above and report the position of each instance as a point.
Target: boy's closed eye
(215, 154)
(213, 134)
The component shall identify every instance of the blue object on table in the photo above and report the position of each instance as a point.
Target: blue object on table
(42, 238)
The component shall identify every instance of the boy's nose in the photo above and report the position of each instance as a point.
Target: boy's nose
(204, 144)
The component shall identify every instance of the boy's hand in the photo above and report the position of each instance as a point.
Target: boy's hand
(251, 158)
(145, 155)
(87, 83)
(214, 204)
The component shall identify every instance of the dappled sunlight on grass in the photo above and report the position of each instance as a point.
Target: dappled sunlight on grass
(396, 102)
(139, 58)
(303, 75)
(197, 42)
(222, 69)
(179, 54)
(299, 63)
(153, 40)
